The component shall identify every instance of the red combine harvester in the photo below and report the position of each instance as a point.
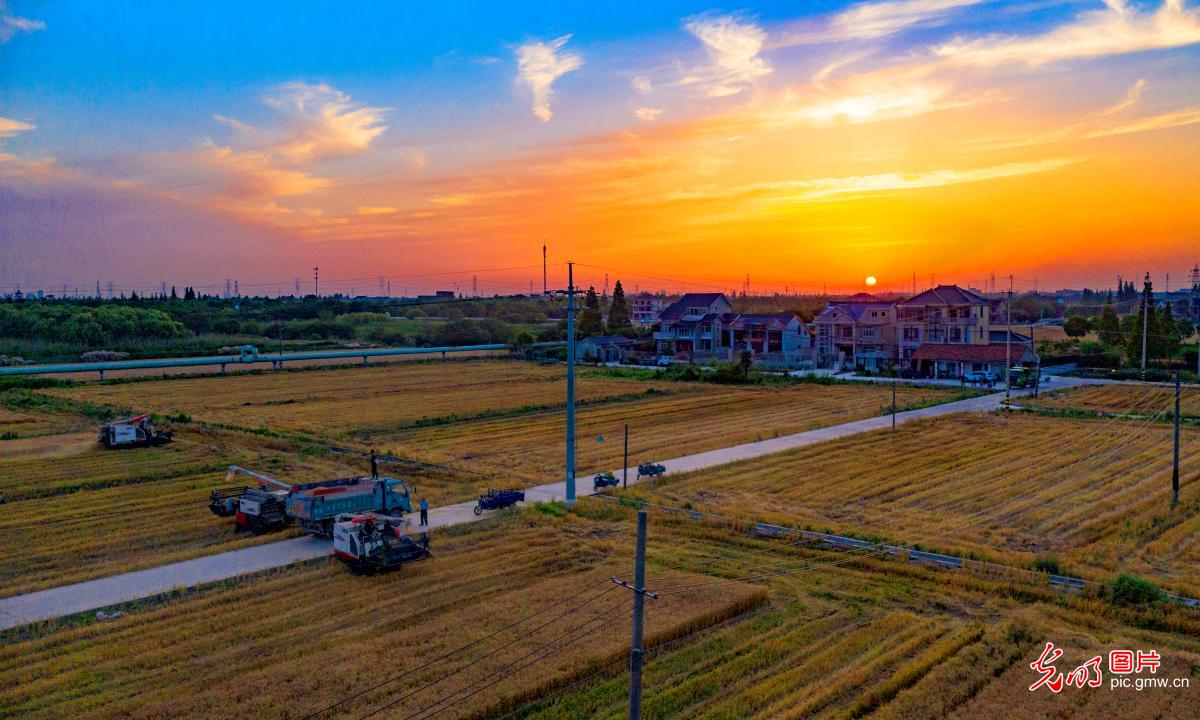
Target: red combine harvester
(371, 542)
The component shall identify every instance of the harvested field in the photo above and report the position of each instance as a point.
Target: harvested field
(1091, 494)
(531, 447)
(331, 403)
(298, 639)
(833, 639)
(1130, 399)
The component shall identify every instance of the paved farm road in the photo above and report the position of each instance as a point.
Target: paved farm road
(103, 592)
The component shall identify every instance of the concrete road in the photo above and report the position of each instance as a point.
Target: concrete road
(103, 592)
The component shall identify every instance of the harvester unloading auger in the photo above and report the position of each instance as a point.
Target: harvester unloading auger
(314, 506)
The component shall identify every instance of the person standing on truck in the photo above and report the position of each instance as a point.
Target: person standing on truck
(424, 511)
(374, 465)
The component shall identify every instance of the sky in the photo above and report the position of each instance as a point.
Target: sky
(681, 146)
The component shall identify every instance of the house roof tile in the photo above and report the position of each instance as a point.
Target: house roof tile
(972, 353)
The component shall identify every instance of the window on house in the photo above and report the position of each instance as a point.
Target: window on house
(912, 333)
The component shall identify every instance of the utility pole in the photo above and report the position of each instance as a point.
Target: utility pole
(1008, 342)
(895, 382)
(639, 606)
(570, 383)
(545, 289)
(1175, 470)
(297, 288)
(1145, 319)
(625, 467)
(317, 281)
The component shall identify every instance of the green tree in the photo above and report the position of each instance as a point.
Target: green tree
(1077, 326)
(1109, 327)
(591, 320)
(746, 360)
(618, 312)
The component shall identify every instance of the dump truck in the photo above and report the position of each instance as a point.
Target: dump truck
(373, 542)
(265, 506)
(132, 432)
(316, 509)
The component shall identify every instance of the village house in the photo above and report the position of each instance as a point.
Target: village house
(702, 326)
(857, 332)
(946, 332)
(605, 348)
(645, 309)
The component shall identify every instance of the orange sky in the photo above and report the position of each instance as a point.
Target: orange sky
(804, 155)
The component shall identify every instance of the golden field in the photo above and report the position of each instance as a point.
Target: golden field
(331, 403)
(292, 641)
(1093, 494)
(531, 447)
(1142, 399)
(829, 635)
(148, 506)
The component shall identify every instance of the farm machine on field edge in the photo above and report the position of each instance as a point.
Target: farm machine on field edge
(313, 506)
(132, 432)
(373, 542)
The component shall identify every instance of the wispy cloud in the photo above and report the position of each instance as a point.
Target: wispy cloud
(647, 114)
(317, 122)
(1189, 116)
(642, 85)
(870, 21)
(1117, 29)
(733, 48)
(820, 188)
(9, 127)
(539, 65)
(363, 210)
(11, 25)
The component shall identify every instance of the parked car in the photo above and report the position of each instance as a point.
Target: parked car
(981, 377)
(663, 360)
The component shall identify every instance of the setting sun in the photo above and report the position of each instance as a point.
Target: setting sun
(871, 281)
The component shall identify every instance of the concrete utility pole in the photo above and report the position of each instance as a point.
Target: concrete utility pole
(1175, 470)
(317, 281)
(570, 383)
(625, 467)
(1008, 341)
(1145, 318)
(545, 289)
(894, 383)
(639, 606)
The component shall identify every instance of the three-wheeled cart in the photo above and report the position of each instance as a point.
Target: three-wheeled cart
(650, 469)
(605, 479)
(496, 499)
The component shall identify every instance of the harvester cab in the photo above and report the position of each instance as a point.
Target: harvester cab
(132, 432)
(372, 542)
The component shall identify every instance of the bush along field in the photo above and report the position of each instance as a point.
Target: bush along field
(517, 617)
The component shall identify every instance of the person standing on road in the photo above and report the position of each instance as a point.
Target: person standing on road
(374, 465)
(424, 511)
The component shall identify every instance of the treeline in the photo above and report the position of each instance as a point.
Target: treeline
(93, 326)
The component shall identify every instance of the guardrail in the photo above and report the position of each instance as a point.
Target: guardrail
(249, 356)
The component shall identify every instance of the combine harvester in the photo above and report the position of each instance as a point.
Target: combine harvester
(132, 432)
(314, 507)
(372, 542)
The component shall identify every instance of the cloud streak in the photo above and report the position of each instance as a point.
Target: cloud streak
(1115, 30)
(822, 188)
(539, 65)
(871, 21)
(12, 25)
